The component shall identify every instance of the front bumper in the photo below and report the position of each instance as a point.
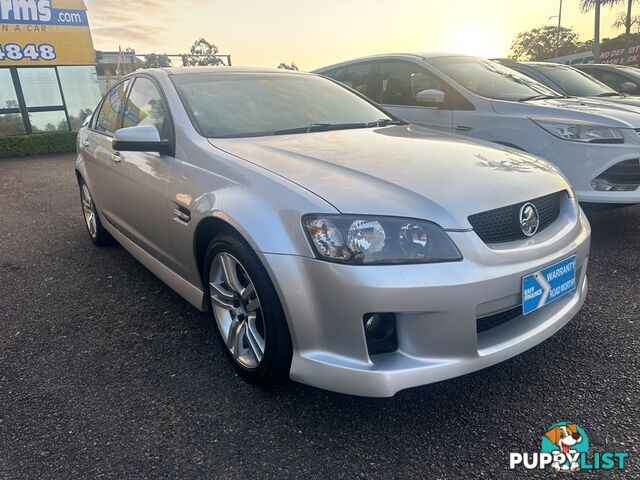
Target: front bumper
(436, 307)
(582, 163)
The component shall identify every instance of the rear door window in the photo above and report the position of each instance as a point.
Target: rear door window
(107, 120)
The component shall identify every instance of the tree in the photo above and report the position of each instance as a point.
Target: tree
(288, 66)
(201, 47)
(11, 124)
(587, 5)
(76, 121)
(621, 22)
(540, 43)
(154, 60)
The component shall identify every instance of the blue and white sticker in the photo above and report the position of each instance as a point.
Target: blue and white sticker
(545, 286)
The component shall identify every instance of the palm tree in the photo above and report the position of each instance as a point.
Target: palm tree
(621, 22)
(627, 31)
(587, 5)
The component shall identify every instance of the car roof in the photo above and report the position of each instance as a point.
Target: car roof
(546, 64)
(602, 66)
(218, 70)
(508, 61)
(397, 55)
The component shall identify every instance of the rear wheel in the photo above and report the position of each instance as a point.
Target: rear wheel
(250, 322)
(97, 232)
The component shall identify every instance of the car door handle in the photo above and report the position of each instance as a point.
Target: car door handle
(182, 214)
(117, 157)
(463, 128)
(85, 143)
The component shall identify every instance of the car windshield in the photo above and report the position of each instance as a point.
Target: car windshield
(491, 80)
(225, 105)
(574, 82)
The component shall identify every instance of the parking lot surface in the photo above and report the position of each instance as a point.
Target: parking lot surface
(107, 373)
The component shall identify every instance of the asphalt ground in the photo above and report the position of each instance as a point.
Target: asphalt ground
(107, 373)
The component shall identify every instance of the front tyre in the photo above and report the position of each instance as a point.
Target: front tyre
(99, 236)
(250, 322)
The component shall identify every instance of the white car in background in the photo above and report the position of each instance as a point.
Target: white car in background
(595, 144)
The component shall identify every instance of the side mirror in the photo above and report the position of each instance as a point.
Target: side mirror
(629, 87)
(430, 96)
(143, 138)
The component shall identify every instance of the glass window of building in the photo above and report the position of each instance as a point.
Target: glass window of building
(48, 121)
(8, 97)
(40, 87)
(11, 124)
(81, 92)
(36, 99)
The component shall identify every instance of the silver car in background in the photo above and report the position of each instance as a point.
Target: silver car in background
(330, 242)
(596, 144)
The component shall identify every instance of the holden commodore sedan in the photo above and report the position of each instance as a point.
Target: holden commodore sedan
(596, 144)
(330, 242)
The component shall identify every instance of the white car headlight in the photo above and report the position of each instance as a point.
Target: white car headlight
(577, 131)
(362, 239)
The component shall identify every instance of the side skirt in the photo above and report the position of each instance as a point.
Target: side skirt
(182, 287)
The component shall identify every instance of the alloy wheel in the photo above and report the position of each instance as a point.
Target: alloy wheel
(237, 310)
(88, 208)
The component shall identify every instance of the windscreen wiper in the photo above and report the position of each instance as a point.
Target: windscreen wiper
(609, 94)
(320, 127)
(539, 97)
(326, 127)
(383, 122)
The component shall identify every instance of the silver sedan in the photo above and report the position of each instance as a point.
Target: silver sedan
(330, 242)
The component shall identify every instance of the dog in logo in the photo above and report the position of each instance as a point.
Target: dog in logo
(565, 437)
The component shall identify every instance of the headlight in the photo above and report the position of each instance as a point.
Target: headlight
(577, 131)
(365, 240)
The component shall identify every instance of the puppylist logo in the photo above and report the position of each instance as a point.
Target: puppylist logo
(565, 448)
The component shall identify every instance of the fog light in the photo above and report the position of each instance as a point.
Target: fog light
(380, 332)
(604, 185)
(601, 185)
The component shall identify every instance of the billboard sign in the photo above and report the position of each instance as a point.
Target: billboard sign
(45, 32)
(614, 56)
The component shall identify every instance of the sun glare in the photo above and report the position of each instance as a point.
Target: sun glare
(480, 42)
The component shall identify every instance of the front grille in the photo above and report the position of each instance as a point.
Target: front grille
(623, 173)
(503, 224)
(485, 323)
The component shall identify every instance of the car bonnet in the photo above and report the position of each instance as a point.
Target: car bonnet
(402, 171)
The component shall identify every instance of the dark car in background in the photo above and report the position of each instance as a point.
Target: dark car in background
(569, 81)
(621, 78)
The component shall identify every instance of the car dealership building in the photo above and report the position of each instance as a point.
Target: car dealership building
(48, 78)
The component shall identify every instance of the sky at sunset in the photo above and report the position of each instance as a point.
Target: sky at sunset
(313, 34)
